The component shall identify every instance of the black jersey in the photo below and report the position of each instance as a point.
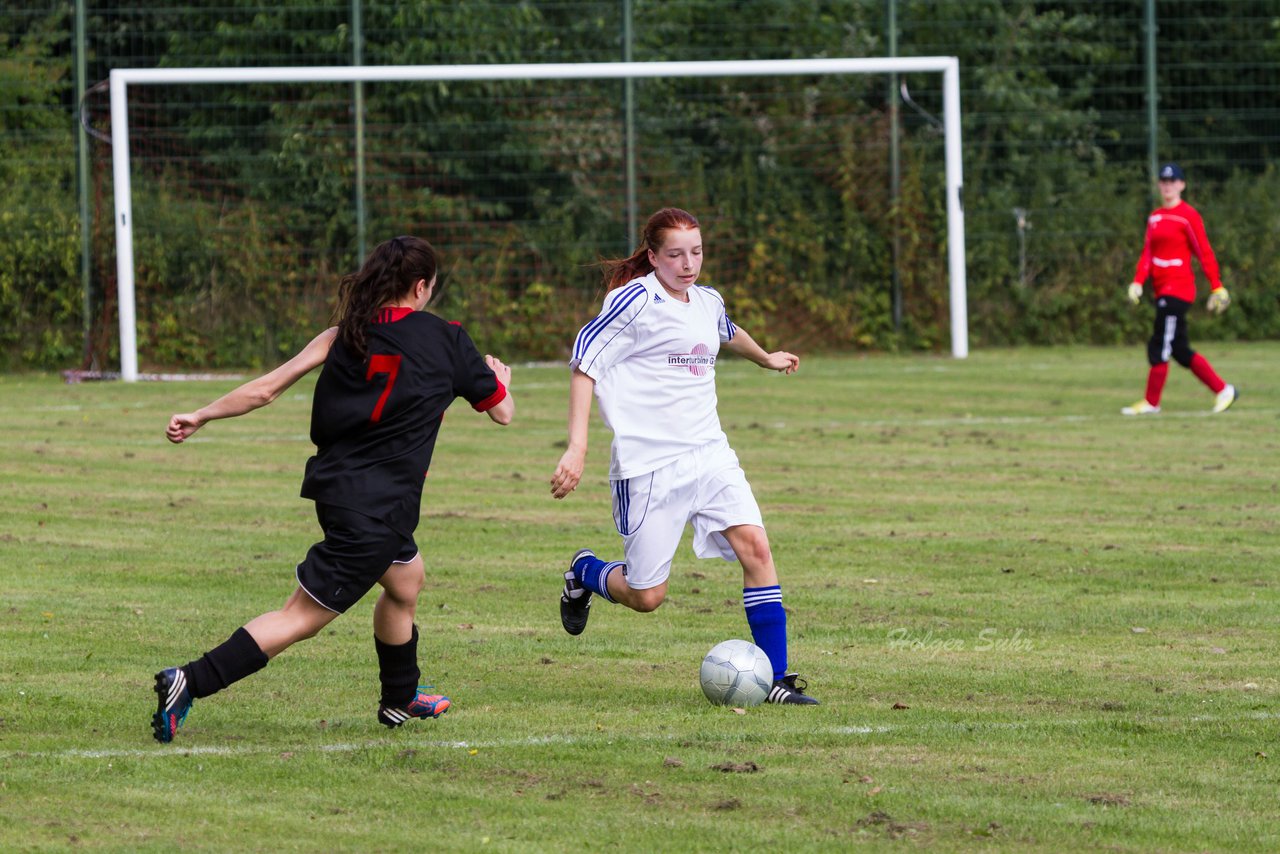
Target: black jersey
(374, 420)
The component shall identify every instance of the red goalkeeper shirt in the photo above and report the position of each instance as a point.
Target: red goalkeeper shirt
(1173, 236)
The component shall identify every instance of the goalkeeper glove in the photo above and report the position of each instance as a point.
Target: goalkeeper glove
(1219, 299)
(1135, 293)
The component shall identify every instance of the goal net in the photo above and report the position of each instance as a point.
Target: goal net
(242, 195)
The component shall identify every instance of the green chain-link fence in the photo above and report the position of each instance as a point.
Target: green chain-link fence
(824, 226)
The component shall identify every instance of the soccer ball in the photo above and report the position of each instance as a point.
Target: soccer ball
(736, 673)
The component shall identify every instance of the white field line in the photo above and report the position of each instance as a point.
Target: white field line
(969, 420)
(829, 424)
(159, 752)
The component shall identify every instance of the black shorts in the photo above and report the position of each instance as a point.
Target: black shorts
(1169, 334)
(356, 551)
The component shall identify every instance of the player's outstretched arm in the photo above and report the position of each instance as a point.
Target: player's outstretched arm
(256, 392)
(568, 473)
(505, 409)
(742, 344)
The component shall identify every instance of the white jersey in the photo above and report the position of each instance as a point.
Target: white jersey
(653, 359)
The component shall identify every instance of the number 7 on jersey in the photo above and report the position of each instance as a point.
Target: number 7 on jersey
(382, 364)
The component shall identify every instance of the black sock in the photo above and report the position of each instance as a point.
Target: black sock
(237, 657)
(398, 670)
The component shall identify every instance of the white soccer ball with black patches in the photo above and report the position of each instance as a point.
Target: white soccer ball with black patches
(736, 673)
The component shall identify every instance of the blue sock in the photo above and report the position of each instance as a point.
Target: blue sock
(768, 624)
(593, 574)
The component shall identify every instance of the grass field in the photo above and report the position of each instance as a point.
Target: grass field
(1033, 625)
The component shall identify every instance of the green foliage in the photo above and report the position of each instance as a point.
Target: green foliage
(535, 320)
(226, 287)
(40, 301)
(1246, 252)
(245, 194)
(39, 287)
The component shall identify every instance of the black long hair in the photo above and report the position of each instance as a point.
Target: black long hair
(390, 272)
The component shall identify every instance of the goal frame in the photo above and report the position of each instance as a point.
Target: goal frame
(122, 78)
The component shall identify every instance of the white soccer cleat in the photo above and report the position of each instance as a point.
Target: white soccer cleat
(1225, 398)
(1143, 408)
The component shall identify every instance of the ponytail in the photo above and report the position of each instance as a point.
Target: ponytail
(387, 275)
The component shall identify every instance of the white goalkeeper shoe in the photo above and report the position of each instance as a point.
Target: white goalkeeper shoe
(1225, 398)
(1143, 408)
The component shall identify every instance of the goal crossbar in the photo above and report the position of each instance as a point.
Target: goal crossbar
(122, 78)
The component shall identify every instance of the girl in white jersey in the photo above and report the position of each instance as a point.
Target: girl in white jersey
(650, 359)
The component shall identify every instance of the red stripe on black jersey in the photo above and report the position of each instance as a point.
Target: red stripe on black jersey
(492, 400)
(392, 314)
(374, 438)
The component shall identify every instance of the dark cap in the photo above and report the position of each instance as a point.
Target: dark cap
(1171, 172)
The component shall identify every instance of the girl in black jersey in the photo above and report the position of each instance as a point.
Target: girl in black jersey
(390, 372)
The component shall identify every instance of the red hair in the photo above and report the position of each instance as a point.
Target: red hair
(619, 271)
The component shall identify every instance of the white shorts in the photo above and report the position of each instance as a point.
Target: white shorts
(706, 487)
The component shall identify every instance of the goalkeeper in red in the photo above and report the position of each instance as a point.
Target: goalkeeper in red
(1175, 232)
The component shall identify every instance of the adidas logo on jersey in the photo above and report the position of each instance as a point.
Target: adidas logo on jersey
(658, 298)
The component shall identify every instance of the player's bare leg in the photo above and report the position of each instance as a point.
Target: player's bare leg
(643, 601)
(751, 544)
(397, 605)
(300, 617)
(395, 638)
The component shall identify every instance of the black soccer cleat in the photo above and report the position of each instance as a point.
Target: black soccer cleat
(173, 704)
(575, 600)
(786, 690)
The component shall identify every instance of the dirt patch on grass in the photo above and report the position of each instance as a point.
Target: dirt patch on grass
(894, 829)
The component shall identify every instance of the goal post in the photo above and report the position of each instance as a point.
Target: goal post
(122, 79)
